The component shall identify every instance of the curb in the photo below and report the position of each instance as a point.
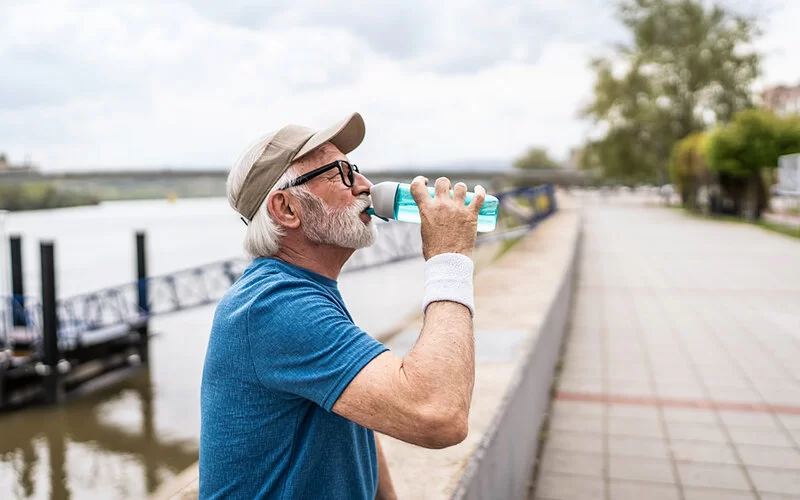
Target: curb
(502, 465)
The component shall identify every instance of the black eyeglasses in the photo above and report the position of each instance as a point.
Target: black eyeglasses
(347, 171)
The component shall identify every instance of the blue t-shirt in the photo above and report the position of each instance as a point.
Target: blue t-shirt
(282, 349)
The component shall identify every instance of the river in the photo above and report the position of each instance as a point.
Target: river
(126, 441)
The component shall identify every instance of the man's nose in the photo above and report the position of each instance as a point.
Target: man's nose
(361, 185)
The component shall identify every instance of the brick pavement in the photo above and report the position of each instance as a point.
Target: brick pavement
(681, 374)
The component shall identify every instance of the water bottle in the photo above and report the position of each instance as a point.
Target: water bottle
(393, 200)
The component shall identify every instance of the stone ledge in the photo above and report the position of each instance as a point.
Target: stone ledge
(522, 302)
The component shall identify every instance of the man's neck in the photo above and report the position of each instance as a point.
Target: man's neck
(326, 260)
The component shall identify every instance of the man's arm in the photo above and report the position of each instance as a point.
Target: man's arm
(385, 485)
(424, 398)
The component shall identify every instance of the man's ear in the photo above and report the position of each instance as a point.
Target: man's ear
(283, 208)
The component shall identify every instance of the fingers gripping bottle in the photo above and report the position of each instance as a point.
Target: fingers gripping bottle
(393, 200)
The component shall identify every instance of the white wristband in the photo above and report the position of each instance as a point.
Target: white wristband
(448, 276)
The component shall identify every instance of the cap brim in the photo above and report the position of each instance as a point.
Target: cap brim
(345, 135)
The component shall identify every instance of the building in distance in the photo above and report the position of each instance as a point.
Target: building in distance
(782, 100)
(7, 167)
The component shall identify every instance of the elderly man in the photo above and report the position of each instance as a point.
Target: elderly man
(293, 391)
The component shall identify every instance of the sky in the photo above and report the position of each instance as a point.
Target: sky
(107, 84)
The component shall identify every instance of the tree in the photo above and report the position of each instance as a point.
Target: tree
(535, 157)
(638, 128)
(688, 169)
(744, 154)
(688, 66)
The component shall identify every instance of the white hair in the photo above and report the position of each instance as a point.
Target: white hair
(264, 234)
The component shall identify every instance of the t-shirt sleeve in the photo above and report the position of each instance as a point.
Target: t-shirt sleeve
(302, 343)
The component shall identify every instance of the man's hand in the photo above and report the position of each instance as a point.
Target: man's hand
(448, 225)
(424, 398)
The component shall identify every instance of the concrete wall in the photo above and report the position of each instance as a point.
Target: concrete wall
(502, 465)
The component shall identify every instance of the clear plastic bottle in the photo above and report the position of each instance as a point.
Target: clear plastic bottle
(393, 200)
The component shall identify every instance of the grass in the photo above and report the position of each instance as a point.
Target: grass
(792, 231)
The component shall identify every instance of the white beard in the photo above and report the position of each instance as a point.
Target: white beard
(342, 227)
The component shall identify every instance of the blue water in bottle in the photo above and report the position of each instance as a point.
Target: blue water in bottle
(404, 208)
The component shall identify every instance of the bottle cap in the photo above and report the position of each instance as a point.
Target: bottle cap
(383, 194)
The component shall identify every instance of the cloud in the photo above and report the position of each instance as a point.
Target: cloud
(91, 84)
(435, 36)
(397, 28)
(779, 45)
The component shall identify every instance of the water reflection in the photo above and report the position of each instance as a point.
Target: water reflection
(53, 452)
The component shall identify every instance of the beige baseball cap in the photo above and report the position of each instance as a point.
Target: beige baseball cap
(289, 144)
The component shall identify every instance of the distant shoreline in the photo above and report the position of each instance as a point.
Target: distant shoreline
(41, 196)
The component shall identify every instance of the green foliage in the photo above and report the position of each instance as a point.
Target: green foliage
(34, 195)
(688, 158)
(754, 140)
(788, 136)
(688, 169)
(629, 150)
(744, 156)
(775, 227)
(688, 65)
(700, 56)
(535, 158)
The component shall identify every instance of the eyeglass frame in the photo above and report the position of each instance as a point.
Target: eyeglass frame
(302, 179)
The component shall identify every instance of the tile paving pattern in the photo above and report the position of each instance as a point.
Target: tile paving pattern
(681, 372)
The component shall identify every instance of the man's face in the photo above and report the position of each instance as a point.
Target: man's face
(334, 213)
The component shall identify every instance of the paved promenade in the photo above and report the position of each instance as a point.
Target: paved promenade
(681, 375)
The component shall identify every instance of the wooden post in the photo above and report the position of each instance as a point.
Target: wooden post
(148, 428)
(141, 281)
(17, 283)
(551, 195)
(57, 458)
(51, 354)
(6, 319)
